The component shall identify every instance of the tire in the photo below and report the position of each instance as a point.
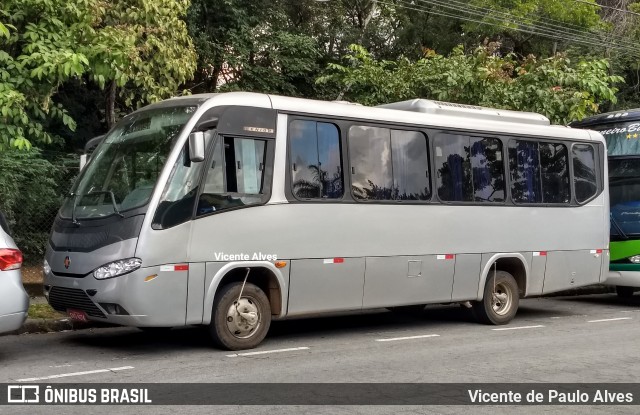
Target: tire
(239, 333)
(624, 292)
(498, 310)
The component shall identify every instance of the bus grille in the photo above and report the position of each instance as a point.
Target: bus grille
(62, 299)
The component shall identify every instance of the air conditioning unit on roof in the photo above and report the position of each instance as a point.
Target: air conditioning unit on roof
(468, 111)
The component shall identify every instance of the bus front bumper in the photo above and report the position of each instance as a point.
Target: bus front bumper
(624, 275)
(146, 297)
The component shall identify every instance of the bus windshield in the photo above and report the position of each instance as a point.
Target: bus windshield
(624, 193)
(124, 169)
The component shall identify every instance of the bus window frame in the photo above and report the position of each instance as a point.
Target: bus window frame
(267, 177)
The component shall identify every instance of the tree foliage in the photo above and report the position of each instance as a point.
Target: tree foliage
(556, 87)
(39, 50)
(142, 46)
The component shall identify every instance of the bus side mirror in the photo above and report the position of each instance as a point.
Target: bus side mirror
(196, 146)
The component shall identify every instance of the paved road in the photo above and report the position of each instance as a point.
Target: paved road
(592, 338)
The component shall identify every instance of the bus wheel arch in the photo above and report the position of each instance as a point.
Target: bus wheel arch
(513, 263)
(263, 275)
(503, 283)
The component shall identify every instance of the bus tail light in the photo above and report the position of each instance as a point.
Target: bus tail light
(10, 259)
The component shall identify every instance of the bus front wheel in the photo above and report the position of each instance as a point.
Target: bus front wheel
(240, 317)
(499, 303)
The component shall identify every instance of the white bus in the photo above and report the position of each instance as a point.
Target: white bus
(231, 210)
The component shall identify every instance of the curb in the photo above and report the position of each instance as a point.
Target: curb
(49, 325)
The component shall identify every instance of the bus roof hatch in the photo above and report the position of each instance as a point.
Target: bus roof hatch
(428, 106)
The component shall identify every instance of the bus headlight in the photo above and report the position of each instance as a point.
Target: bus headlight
(46, 268)
(117, 268)
(635, 259)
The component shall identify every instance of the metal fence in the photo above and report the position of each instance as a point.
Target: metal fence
(32, 187)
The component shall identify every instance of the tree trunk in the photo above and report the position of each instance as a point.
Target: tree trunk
(110, 108)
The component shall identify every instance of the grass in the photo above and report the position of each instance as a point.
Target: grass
(43, 311)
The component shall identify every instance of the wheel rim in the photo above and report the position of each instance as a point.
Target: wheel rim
(501, 299)
(243, 318)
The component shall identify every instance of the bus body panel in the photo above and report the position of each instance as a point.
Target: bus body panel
(326, 284)
(466, 276)
(80, 264)
(405, 280)
(573, 268)
(157, 301)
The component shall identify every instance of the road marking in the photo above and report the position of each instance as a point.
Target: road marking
(292, 349)
(424, 336)
(609, 319)
(629, 311)
(66, 375)
(518, 328)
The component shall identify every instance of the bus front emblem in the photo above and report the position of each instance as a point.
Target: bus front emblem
(67, 262)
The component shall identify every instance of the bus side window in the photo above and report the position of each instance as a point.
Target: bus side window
(584, 172)
(469, 169)
(388, 164)
(235, 176)
(179, 194)
(316, 169)
(539, 172)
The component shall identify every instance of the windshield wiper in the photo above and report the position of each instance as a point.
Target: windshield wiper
(74, 220)
(618, 228)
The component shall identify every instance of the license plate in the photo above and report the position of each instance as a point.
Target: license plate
(78, 315)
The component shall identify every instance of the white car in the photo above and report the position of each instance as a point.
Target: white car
(14, 301)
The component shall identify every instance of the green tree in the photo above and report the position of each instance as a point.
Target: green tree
(140, 47)
(250, 45)
(556, 87)
(40, 48)
(141, 51)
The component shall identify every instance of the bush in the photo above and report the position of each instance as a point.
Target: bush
(32, 187)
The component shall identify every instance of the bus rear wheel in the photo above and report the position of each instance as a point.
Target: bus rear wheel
(624, 292)
(240, 318)
(499, 303)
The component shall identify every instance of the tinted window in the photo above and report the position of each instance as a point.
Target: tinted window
(469, 168)
(410, 165)
(235, 176)
(554, 164)
(539, 172)
(179, 194)
(316, 166)
(388, 164)
(584, 172)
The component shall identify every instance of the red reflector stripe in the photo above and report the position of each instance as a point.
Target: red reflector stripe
(338, 260)
(181, 267)
(543, 253)
(446, 256)
(598, 251)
